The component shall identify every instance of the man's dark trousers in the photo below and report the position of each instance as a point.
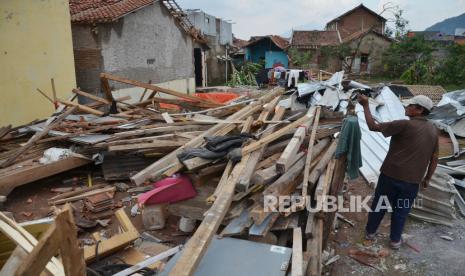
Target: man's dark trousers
(401, 196)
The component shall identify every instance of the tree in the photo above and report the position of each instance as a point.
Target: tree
(452, 69)
(300, 59)
(402, 55)
(400, 24)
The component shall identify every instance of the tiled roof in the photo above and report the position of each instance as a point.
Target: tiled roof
(314, 38)
(279, 41)
(434, 92)
(361, 6)
(361, 33)
(239, 43)
(99, 11)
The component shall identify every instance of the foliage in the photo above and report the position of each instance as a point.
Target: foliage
(452, 68)
(402, 55)
(300, 59)
(245, 75)
(400, 24)
(340, 52)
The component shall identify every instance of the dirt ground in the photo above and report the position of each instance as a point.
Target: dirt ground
(435, 255)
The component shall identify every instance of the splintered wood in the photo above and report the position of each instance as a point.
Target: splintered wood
(269, 153)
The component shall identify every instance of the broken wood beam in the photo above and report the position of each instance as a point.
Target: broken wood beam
(256, 156)
(114, 243)
(270, 174)
(36, 137)
(90, 96)
(156, 88)
(275, 135)
(283, 164)
(170, 161)
(198, 243)
(320, 167)
(81, 107)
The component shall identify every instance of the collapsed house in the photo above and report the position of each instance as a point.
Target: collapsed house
(152, 41)
(201, 166)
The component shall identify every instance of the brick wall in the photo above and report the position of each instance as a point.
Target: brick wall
(357, 21)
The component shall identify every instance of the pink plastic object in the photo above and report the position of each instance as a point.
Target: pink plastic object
(169, 190)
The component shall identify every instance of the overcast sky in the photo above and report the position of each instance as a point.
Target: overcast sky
(263, 17)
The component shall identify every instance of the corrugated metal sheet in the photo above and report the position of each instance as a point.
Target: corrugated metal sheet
(374, 145)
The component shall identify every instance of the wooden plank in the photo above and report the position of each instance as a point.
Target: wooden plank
(36, 138)
(170, 161)
(81, 107)
(167, 118)
(315, 246)
(26, 241)
(198, 243)
(309, 225)
(297, 258)
(274, 136)
(116, 242)
(270, 174)
(82, 196)
(155, 145)
(62, 234)
(155, 88)
(245, 179)
(281, 185)
(321, 166)
(92, 97)
(15, 260)
(310, 148)
(284, 162)
(32, 171)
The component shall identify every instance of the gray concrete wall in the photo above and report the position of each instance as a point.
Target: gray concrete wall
(225, 33)
(202, 21)
(145, 45)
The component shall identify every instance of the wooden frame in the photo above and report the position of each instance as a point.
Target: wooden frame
(116, 242)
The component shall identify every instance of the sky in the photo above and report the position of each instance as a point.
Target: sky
(264, 17)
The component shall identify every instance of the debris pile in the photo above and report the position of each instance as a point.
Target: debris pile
(213, 171)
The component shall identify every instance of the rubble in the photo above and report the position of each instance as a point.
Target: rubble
(200, 168)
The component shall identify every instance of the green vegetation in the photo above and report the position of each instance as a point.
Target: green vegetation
(245, 75)
(300, 59)
(413, 61)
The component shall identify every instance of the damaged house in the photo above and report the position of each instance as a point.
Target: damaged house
(146, 40)
(219, 38)
(357, 34)
(270, 49)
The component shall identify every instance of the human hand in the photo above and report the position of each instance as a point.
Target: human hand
(362, 99)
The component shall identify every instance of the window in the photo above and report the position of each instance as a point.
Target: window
(207, 20)
(364, 58)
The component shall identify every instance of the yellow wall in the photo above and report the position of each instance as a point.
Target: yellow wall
(35, 46)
